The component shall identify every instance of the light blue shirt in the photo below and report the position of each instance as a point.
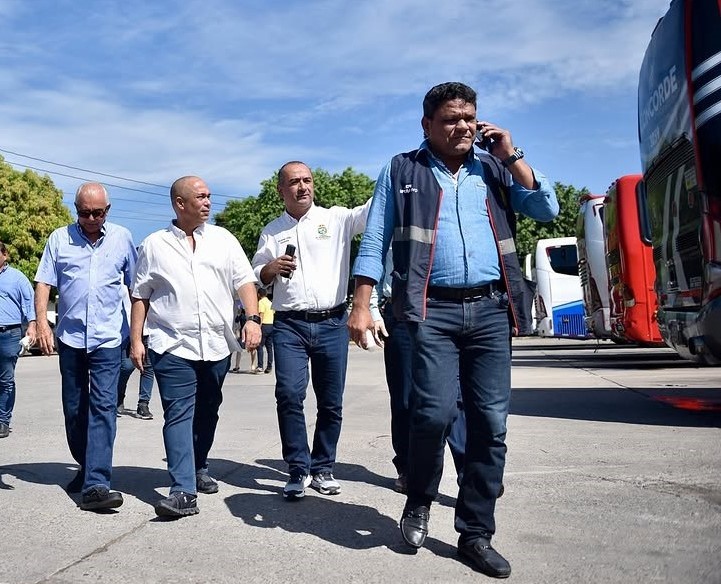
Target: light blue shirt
(465, 253)
(89, 279)
(16, 297)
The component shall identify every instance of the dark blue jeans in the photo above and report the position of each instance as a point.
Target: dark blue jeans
(467, 340)
(9, 350)
(397, 354)
(90, 386)
(191, 394)
(126, 370)
(266, 345)
(325, 344)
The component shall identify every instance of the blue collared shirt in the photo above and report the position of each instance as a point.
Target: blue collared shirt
(89, 280)
(465, 252)
(16, 297)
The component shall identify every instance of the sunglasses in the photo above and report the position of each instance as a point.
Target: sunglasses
(93, 213)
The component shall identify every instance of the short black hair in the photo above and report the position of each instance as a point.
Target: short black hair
(281, 170)
(444, 92)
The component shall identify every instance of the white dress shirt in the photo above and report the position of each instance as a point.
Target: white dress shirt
(322, 239)
(191, 294)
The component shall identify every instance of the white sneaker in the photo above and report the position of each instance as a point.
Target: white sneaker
(325, 484)
(295, 487)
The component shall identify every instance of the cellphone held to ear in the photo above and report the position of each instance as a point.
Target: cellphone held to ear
(289, 251)
(482, 141)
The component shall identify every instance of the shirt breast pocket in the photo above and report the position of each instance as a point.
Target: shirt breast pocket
(480, 192)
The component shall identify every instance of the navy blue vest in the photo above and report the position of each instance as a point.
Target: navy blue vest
(417, 196)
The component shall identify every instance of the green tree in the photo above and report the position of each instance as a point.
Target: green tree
(31, 207)
(530, 231)
(246, 218)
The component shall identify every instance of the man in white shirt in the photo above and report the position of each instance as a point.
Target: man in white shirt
(186, 279)
(310, 284)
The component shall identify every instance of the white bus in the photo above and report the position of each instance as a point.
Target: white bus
(559, 299)
(592, 265)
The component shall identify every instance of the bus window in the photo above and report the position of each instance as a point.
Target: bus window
(643, 219)
(563, 259)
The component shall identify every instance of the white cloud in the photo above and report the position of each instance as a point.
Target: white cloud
(231, 90)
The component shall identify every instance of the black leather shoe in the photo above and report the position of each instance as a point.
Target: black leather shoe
(414, 525)
(485, 559)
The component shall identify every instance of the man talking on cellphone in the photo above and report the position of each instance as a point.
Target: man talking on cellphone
(450, 214)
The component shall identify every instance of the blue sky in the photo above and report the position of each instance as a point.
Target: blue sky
(229, 90)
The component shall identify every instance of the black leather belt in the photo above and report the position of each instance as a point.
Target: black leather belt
(444, 293)
(8, 327)
(312, 315)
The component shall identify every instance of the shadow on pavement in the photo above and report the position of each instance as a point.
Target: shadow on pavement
(344, 471)
(345, 524)
(606, 361)
(132, 480)
(330, 518)
(695, 408)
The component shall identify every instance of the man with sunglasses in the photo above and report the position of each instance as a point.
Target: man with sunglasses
(88, 262)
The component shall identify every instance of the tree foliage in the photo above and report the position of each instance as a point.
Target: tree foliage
(31, 207)
(530, 231)
(246, 218)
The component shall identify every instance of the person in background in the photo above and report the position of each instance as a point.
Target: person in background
(239, 321)
(89, 262)
(265, 308)
(145, 385)
(392, 335)
(16, 308)
(190, 333)
(450, 214)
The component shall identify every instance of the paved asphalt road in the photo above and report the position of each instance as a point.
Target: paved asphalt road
(613, 475)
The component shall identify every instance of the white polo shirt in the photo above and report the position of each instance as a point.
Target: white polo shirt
(322, 239)
(191, 294)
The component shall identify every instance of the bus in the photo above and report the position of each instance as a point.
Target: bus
(559, 300)
(631, 273)
(679, 129)
(592, 265)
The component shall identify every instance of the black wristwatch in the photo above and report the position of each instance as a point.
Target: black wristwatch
(254, 318)
(515, 157)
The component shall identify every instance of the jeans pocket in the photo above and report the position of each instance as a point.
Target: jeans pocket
(501, 300)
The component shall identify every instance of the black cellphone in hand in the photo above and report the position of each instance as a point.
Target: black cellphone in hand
(483, 142)
(289, 251)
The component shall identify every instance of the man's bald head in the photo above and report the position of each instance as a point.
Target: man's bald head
(182, 186)
(190, 197)
(91, 191)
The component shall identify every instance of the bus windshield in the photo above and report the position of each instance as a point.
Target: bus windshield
(563, 259)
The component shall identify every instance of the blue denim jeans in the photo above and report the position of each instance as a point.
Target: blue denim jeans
(266, 345)
(191, 394)
(397, 355)
(89, 388)
(467, 340)
(126, 370)
(9, 350)
(325, 344)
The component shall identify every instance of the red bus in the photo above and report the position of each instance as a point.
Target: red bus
(633, 306)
